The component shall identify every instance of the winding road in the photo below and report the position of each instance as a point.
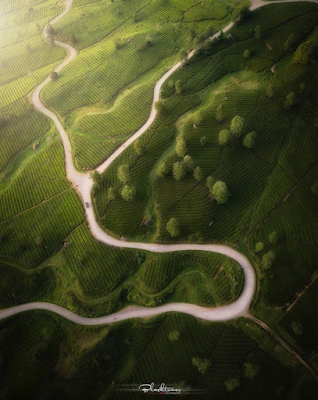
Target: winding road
(84, 184)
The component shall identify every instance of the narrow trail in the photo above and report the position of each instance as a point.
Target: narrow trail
(84, 184)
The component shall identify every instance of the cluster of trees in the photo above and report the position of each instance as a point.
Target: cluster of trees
(241, 14)
(180, 168)
(250, 371)
(236, 129)
(202, 41)
(128, 193)
(268, 258)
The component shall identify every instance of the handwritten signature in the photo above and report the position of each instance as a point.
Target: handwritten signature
(150, 387)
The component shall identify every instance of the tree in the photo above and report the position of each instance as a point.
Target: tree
(247, 54)
(273, 237)
(297, 328)
(117, 42)
(72, 39)
(251, 370)
(178, 86)
(219, 113)
(197, 117)
(257, 32)
(314, 189)
(220, 192)
(162, 169)
(160, 106)
(303, 53)
(174, 335)
(123, 173)
(173, 227)
(50, 40)
(232, 384)
(242, 13)
(259, 247)
(39, 240)
(138, 147)
(2, 122)
(188, 163)
(97, 178)
(290, 41)
(134, 18)
(202, 364)
(181, 147)
(210, 181)
(128, 193)
(203, 140)
(54, 76)
(148, 40)
(290, 101)
(249, 140)
(111, 194)
(237, 125)
(147, 43)
(268, 260)
(197, 174)
(179, 171)
(224, 137)
(183, 55)
(49, 30)
(270, 90)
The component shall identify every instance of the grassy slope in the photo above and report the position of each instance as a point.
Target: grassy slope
(270, 185)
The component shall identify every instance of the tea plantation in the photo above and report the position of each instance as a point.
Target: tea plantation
(231, 158)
